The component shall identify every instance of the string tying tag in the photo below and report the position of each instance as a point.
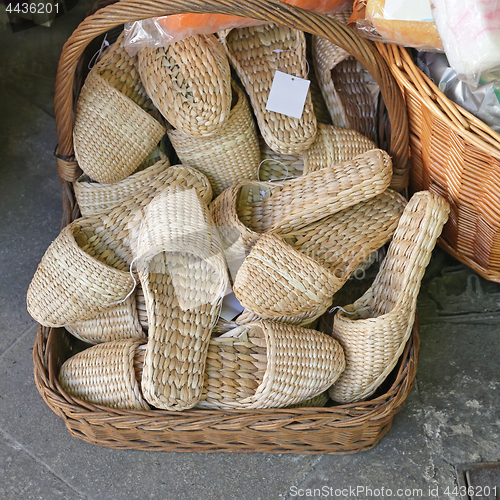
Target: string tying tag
(333, 309)
(275, 180)
(97, 55)
(131, 291)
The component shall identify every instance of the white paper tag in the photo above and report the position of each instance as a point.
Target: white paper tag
(408, 10)
(288, 95)
(231, 307)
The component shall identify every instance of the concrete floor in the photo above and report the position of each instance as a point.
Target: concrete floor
(451, 417)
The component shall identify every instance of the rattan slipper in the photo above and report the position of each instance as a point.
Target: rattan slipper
(105, 374)
(350, 92)
(93, 197)
(301, 274)
(230, 155)
(268, 364)
(77, 278)
(246, 210)
(256, 53)
(375, 329)
(120, 322)
(115, 126)
(190, 83)
(183, 275)
(118, 225)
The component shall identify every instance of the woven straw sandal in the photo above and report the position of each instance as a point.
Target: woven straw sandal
(94, 198)
(190, 83)
(256, 53)
(301, 274)
(244, 213)
(115, 125)
(77, 278)
(184, 277)
(269, 365)
(377, 326)
(275, 166)
(120, 322)
(118, 225)
(350, 92)
(105, 374)
(227, 156)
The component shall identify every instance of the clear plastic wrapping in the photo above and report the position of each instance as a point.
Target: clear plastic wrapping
(470, 31)
(160, 31)
(405, 22)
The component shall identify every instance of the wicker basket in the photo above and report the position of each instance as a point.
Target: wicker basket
(339, 429)
(457, 156)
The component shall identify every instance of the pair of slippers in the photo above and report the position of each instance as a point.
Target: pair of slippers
(260, 365)
(166, 231)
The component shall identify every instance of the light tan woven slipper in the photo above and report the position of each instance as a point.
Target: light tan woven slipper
(350, 92)
(190, 83)
(256, 53)
(183, 275)
(94, 198)
(105, 374)
(114, 129)
(230, 155)
(118, 225)
(120, 322)
(77, 278)
(245, 211)
(376, 327)
(268, 364)
(288, 278)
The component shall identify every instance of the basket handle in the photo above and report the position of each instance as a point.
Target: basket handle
(268, 11)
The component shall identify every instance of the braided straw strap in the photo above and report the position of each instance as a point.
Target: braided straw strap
(94, 198)
(350, 92)
(183, 276)
(105, 375)
(269, 365)
(116, 323)
(190, 83)
(256, 53)
(304, 319)
(77, 278)
(229, 155)
(334, 145)
(244, 213)
(119, 225)
(288, 278)
(377, 326)
(112, 134)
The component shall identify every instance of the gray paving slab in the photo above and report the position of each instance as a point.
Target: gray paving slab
(23, 477)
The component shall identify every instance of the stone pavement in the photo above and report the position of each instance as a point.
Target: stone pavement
(451, 417)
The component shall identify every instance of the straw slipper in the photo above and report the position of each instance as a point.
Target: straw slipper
(120, 322)
(190, 83)
(301, 274)
(268, 364)
(77, 278)
(256, 53)
(375, 329)
(229, 155)
(350, 92)
(183, 277)
(247, 210)
(118, 225)
(105, 374)
(116, 126)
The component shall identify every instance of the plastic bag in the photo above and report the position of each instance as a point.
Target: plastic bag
(470, 30)
(483, 101)
(405, 22)
(160, 31)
